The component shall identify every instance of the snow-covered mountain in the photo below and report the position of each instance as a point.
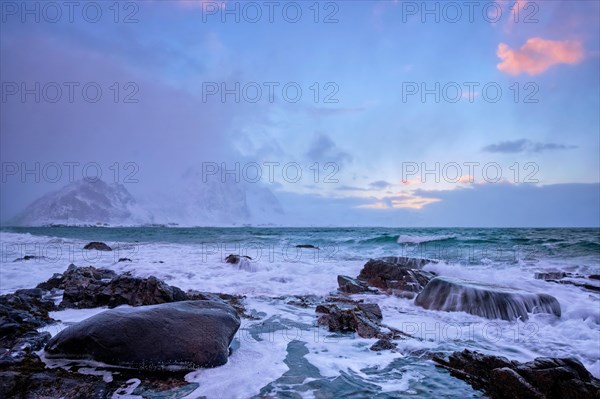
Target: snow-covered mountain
(84, 202)
(194, 203)
(216, 203)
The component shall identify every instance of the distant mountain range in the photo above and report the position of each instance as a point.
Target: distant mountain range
(87, 202)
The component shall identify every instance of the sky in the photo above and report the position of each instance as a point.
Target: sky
(396, 113)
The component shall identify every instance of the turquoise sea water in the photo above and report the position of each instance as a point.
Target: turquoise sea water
(295, 358)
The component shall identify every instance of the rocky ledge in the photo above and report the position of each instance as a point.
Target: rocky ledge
(542, 378)
(156, 334)
(392, 275)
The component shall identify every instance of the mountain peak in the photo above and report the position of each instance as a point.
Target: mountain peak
(84, 201)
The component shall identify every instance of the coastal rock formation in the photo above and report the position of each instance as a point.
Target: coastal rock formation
(350, 285)
(166, 337)
(542, 378)
(395, 275)
(492, 302)
(242, 262)
(99, 246)
(589, 283)
(362, 318)
(21, 314)
(89, 287)
(383, 344)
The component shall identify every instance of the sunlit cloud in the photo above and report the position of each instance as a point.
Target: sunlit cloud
(537, 55)
(400, 201)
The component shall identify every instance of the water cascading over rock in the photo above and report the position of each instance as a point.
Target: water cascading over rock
(493, 302)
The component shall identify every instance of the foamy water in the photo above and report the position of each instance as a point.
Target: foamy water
(296, 355)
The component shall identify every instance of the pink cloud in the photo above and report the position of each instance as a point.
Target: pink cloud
(537, 55)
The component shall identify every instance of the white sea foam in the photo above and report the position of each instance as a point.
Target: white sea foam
(277, 275)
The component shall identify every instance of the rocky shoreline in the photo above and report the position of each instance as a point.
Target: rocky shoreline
(165, 332)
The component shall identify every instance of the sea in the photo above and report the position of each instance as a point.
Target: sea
(282, 351)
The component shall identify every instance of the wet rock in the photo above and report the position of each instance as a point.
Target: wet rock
(234, 258)
(99, 246)
(235, 301)
(89, 287)
(166, 337)
(28, 257)
(396, 275)
(350, 285)
(403, 261)
(307, 246)
(550, 275)
(365, 326)
(30, 292)
(305, 301)
(363, 319)
(242, 262)
(578, 280)
(22, 312)
(31, 379)
(53, 282)
(134, 291)
(492, 302)
(542, 378)
(372, 310)
(383, 344)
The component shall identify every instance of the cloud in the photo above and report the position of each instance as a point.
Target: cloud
(400, 201)
(514, 205)
(324, 149)
(350, 188)
(537, 55)
(379, 184)
(489, 205)
(524, 145)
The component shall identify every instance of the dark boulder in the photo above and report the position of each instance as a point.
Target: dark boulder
(167, 337)
(99, 246)
(364, 319)
(124, 260)
(492, 302)
(28, 257)
(542, 378)
(233, 259)
(89, 287)
(383, 344)
(306, 246)
(397, 275)
(350, 285)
